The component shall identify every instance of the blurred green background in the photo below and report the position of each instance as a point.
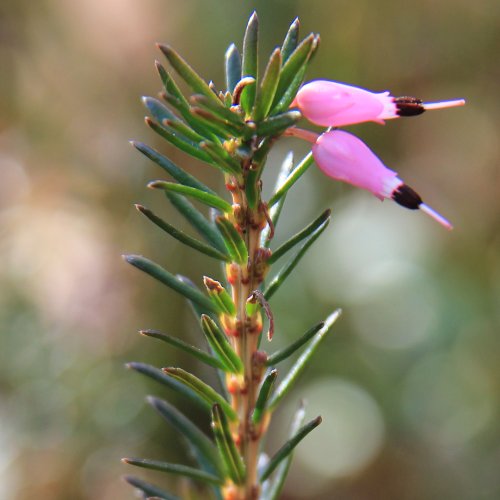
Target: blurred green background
(408, 382)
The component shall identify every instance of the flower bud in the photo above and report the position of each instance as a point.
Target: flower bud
(333, 104)
(344, 157)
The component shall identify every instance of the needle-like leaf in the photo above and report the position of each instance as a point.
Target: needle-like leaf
(179, 469)
(182, 236)
(162, 275)
(226, 445)
(277, 124)
(294, 64)
(267, 88)
(275, 210)
(204, 390)
(301, 363)
(235, 244)
(176, 172)
(180, 344)
(187, 73)
(209, 199)
(300, 236)
(156, 374)
(202, 447)
(179, 141)
(250, 61)
(221, 111)
(150, 490)
(282, 354)
(288, 447)
(205, 228)
(285, 271)
(264, 393)
(158, 110)
(232, 67)
(298, 171)
(272, 488)
(220, 345)
(291, 40)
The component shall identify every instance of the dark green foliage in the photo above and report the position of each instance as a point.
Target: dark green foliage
(288, 447)
(232, 67)
(232, 131)
(181, 236)
(179, 469)
(302, 362)
(225, 444)
(175, 385)
(170, 280)
(149, 489)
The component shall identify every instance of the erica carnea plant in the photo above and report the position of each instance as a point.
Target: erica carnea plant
(232, 131)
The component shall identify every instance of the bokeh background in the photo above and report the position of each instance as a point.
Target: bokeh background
(408, 382)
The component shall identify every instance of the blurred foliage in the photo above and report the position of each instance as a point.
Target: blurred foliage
(408, 388)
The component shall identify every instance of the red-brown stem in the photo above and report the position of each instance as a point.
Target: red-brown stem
(246, 342)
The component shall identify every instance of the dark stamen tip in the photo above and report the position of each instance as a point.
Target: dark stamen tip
(409, 106)
(406, 197)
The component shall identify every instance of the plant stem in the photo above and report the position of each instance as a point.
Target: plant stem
(244, 279)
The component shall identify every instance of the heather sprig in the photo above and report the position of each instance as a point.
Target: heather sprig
(232, 131)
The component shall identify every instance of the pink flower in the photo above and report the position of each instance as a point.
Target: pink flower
(333, 104)
(344, 157)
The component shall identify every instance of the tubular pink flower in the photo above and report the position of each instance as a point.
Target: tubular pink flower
(333, 104)
(344, 157)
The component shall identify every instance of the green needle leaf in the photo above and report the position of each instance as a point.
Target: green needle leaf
(205, 228)
(183, 108)
(233, 67)
(285, 271)
(221, 111)
(273, 489)
(299, 170)
(203, 390)
(300, 236)
(288, 447)
(176, 172)
(294, 64)
(267, 87)
(158, 110)
(277, 124)
(250, 60)
(181, 236)
(226, 445)
(202, 447)
(275, 210)
(170, 86)
(150, 490)
(221, 158)
(219, 294)
(301, 363)
(264, 393)
(211, 200)
(180, 142)
(220, 345)
(156, 374)
(289, 95)
(235, 244)
(187, 73)
(180, 344)
(183, 129)
(282, 354)
(162, 275)
(291, 40)
(182, 470)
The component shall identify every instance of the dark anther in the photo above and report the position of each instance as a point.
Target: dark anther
(409, 106)
(406, 197)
